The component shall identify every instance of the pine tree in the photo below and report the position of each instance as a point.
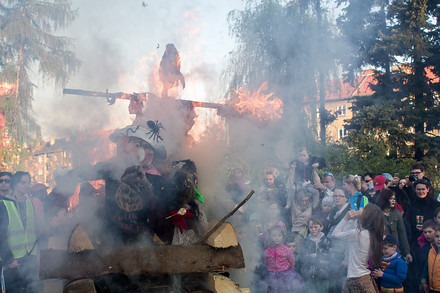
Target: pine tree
(404, 109)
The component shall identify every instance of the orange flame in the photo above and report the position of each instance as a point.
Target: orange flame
(259, 104)
(74, 198)
(98, 185)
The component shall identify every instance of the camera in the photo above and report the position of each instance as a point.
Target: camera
(413, 177)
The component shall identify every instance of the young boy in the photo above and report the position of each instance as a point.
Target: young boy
(393, 268)
(421, 253)
(433, 265)
(314, 257)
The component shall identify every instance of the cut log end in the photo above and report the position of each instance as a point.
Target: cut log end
(79, 240)
(221, 284)
(223, 237)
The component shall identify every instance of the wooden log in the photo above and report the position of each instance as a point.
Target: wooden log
(170, 259)
(223, 237)
(221, 284)
(79, 240)
(81, 285)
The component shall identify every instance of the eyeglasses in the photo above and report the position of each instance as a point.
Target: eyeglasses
(338, 196)
(415, 173)
(5, 181)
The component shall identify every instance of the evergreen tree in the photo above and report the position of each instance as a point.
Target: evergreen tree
(27, 41)
(404, 108)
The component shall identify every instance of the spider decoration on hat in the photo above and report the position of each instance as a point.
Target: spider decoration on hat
(155, 127)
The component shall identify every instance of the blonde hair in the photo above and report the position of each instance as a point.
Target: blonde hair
(354, 179)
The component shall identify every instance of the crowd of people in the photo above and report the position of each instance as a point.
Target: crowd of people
(303, 231)
(309, 231)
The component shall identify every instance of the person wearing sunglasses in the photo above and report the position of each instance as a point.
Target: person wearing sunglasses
(5, 184)
(327, 186)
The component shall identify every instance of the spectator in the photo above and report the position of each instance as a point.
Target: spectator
(5, 184)
(280, 264)
(273, 219)
(421, 253)
(394, 224)
(305, 167)
(423, 207)
(379, 183)
(301, 213)
(18, 248)
(327, 186)
(393, 269)
(417, 172)
(339, 255)
(315, 257)
(326, 206)
(269, 192)
(352, 185)
(368, 177)
(305, 173)
(431, 281)
(365, 243)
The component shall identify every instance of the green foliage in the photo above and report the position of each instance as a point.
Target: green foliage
(288, 46)
(399, 118)
(27, 39)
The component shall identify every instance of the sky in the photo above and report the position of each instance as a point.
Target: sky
(120, 43)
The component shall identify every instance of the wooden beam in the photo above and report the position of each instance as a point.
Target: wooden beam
(170, 259)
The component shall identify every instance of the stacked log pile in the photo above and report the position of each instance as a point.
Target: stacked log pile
(166, 268)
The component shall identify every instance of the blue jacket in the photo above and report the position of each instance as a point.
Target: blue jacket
(394, 271)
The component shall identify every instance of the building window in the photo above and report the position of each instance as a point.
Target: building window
(342, 133)
(342, 110)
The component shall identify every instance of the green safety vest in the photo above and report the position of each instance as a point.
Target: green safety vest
(21, 240)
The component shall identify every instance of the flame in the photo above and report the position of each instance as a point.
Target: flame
(98, 146)
(259, 104)
(74, 198)
(98, 185)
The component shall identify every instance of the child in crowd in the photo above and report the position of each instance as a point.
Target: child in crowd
(272, 220)
(393, 268)
(431, 281)
(421, 253)
(280, 264)
(301, 213)
(327, 205)
(315, 255)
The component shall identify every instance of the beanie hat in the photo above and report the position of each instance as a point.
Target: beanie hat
(390, 239)
(327, 201)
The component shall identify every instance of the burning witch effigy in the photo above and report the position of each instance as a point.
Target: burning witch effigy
(143, 198)
(153, 219)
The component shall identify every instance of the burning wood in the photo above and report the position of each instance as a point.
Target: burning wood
(244, 103)
(261, 104)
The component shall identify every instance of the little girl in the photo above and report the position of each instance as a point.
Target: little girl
(280, 264)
